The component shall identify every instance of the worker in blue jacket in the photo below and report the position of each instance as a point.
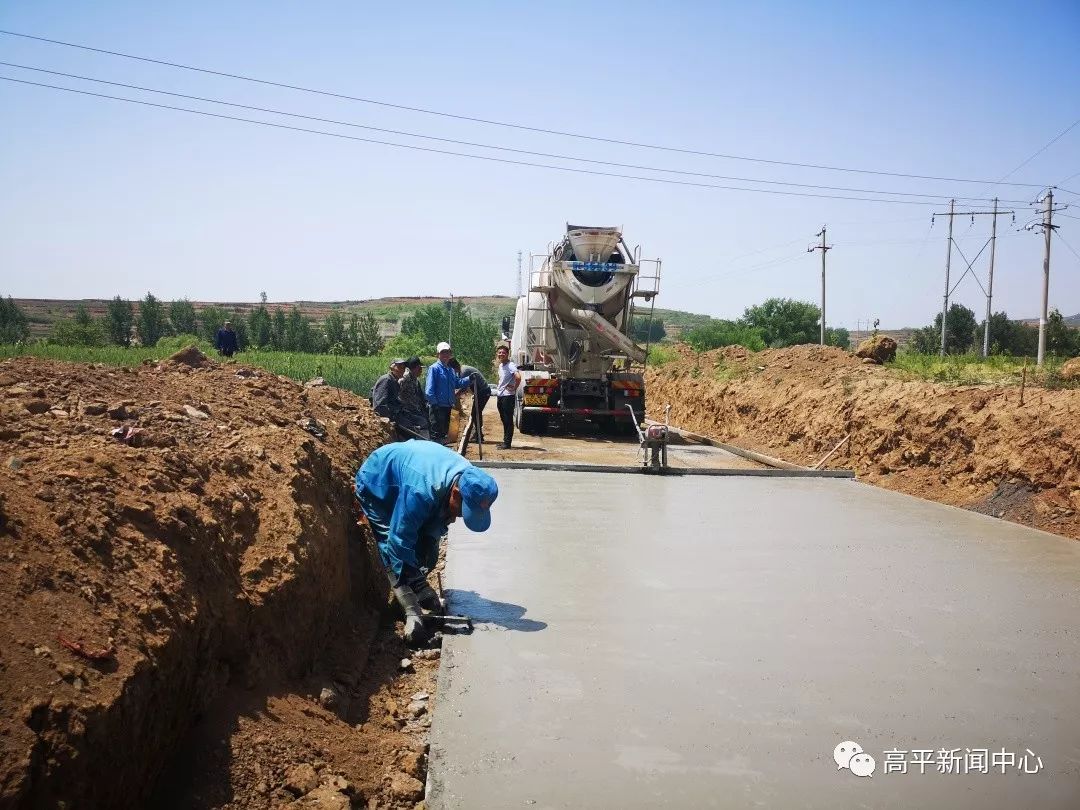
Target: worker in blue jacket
(410, 492)
(443, 383)
(225, 340)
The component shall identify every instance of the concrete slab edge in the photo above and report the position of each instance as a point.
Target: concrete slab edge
(771, 472)
(433, 787)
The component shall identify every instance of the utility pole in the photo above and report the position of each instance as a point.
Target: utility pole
(519, 275)
(952, 213)
(824, 249)
(948, 265)
(450, 337)
(990, 281)
(1048, 229)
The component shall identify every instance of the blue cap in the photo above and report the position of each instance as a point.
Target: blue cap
(478, 492)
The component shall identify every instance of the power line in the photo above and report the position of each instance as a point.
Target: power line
(1070, 247)
(506, 124)
(711, 276)
(1042, 149)
(465, 154)
(473, 143)
(1067, 179)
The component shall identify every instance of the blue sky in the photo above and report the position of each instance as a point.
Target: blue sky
(100, 197)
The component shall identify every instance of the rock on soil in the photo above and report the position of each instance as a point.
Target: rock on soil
(205, 573)
(301, 779)
(961, 445)
(880, 349)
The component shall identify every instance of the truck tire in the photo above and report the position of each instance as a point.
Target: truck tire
(522, 420)
(530, 423)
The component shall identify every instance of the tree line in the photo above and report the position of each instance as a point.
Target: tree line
(126, 324)
(774, 324)
(964, 334)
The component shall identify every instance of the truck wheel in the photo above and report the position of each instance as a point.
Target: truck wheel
(523, 421)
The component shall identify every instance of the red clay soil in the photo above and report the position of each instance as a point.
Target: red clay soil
(975, 447)
(183, 585)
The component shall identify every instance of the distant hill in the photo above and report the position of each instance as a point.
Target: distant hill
(1070, 320)
(390, 312)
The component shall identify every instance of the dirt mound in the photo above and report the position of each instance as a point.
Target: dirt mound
(880, 349)
(964, 446)
(191, 356)
(143, 579)
(1071, 369)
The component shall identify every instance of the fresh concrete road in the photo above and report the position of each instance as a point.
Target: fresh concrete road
(585, 444)
(707, 642)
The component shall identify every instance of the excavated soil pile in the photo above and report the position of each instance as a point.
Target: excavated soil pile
(176, 544)
(975, 447)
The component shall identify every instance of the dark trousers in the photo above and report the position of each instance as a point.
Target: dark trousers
(506, 414)
(440, 422)
(412, 425)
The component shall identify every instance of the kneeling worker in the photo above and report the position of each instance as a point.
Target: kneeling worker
(410, 492)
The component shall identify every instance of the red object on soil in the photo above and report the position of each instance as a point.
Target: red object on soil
(79, 648)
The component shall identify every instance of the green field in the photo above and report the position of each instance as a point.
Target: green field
(356, 374)
(972, 369)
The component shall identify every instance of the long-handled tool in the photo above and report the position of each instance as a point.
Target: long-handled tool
(448, 621)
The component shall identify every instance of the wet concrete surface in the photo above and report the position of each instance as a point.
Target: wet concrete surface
(709, 641)
(585, 443)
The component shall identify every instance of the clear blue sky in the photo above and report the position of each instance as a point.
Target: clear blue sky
(100, 197)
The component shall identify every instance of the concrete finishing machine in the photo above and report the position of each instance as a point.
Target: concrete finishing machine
(573, 332)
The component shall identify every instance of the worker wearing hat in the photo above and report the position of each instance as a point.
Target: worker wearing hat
(386, 402)
(225, 340)
(443, 383)
(410, 492)
(411, 389)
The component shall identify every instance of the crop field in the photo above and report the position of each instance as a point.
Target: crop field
(356, 374)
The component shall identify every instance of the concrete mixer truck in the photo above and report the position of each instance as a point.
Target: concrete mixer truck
(572, 333)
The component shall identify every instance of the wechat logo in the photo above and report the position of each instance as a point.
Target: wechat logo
(850, 755)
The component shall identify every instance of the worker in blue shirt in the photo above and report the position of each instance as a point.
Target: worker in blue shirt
(443, 383)
(410, 492)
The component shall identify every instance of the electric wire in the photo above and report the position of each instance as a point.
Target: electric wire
(481, 145)
(1042, 149)
(687, 281)
(1070, 247)
(489, 158)
(506, 124)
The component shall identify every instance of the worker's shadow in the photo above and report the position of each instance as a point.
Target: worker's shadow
(488, 611)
